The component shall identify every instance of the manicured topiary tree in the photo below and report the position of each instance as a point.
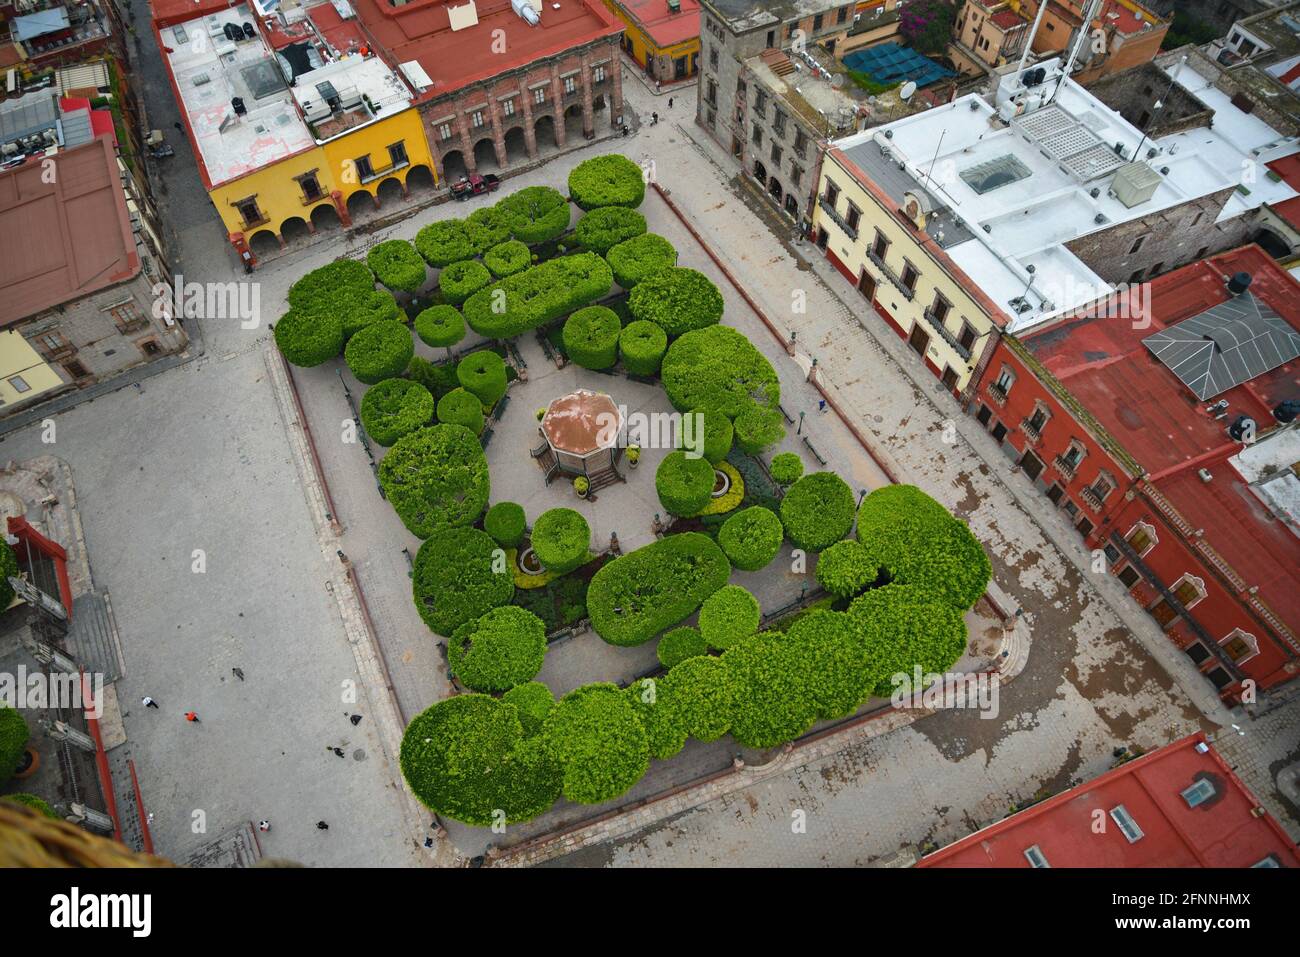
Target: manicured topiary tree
(677, 645)
(846, 568)
(484, 374)
(459, 576)
(634, 259)
(33, 802)
(706, 433)
(771, 699)
(786, 468)
(395, 407)
(597, 738)
(561, 540)
(8, 569)
(677, 299)
(838, 675)
(718, 368)
(436, 477)
(703, 697)
(655, 707)
(684, 484)
(461, 407)
(537, 213)
(440, 326)
(502, 649)
(591, 337)
(467, 758)
(445, 242)
(534, 702)
(13, 740)
(397, 265)
(757, 428)
(610, 180)
(506, 523)
(307, 339)
(751, 538)
(817, 511)
(728, 615)
(898, 627)
(319, 290)
(508, 258)
(461, 280)
(602, 229)
(488, 227)
(642, 345)
(538, 295)
(635, 597)
(380, 351)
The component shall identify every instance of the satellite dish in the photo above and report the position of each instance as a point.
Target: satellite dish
(907, 90)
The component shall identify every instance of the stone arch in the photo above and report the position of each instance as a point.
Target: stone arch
(264, 243)
(775, 190)
(294, 228)
(325, 216)
(419, 177)
(360, 202)
(791, 206)
(544, 130)
(573, 122)
(516, 145)
(760, 171)
(390, 189)
(1272, 243)
(453, 166)
(485, 155)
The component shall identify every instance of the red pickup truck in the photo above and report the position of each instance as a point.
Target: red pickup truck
(468, 186)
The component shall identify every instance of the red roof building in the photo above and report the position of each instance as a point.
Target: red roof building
(1177, 806)
(1198, 521)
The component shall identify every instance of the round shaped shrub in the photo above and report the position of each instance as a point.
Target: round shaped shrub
(728, 615)
(561, 540)
(642, 346)
(397, 265)
(655, 707)
(484, 374)
(445, 242)
(786, 468)
(846, 568)
(899, 627)
(13, 741)
(591, 337)
(361, 307)
(380, 351)
(751, 538)
(436, 477)
(684, 484)
(679, 644)
(488, 227)
(440, 326)
(718, 368)
(637, 596)
(467, 758)
(33, 802)
(602, 229)
(597, 738)
(461, 407)
(703, 696)
(534, 702)
(458, 577)
(708, 434)
(757, 428)
(610, 180)
(772, 701)
(677, 299)
(537, 213)
(506, 523)
(461, 280)
(634, 259)
(839, 675)
(308, 339)
(8, 569)
(502, 649)
(319, 290)
(508, 258)
(817, 511)
(394, 407)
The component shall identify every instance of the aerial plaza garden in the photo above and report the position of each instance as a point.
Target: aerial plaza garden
(636, 494)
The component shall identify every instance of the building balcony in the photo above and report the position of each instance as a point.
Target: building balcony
(944, 334)
(1091, 499)
(1065, 467)
(837, 219)
(889, 275)
(1032, 432)
(997, 394)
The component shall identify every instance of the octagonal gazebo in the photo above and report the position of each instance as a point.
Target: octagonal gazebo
(580, 435)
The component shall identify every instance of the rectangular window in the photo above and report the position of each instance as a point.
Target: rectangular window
(1006, 379)
(128, 316)
(880, 246)
(19, 384)
(711, 93)
(1186, 592)
(1198, 793)
(796, 174)
(598, 74)
(1035, 856)
(760, 102)
(776, 156)
(1127, 826)
(1140, 539)
(713, 57)
(758, 135)
(1129, 576)
(1101, 488)
(508, 106)
(940, 307)
(311, 190)
(249, 211)
(1137, 244)
(570, 84)
(841, 14)
(397, 154)
(444, 131)
(967, 337)
(832, 194)
(800, 143)
(539, 95)
(853, 217)
(476, 120)
(364, 169)
(909, 277)
(817, 22)
(778, 123)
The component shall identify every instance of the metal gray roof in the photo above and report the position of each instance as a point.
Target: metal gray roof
(28, 114)
(76, 128)
(38, 24)
(884, 172)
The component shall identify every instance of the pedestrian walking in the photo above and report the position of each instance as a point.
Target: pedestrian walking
(821, 405)
(148, 702)
(178, 126)
(355, 719)
(670, 102)
(654, 119)
(337, 751)
(263, 826)
(192, 717)
(659, 87)
(322, 826)
(237, 673)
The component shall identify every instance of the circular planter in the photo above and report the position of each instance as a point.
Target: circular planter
(528, 563)
(721, 484)
(28, 765)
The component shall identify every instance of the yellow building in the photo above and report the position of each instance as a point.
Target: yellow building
(662, 36)
(23, 373)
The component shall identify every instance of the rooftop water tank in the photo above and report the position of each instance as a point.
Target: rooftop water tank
(1134, 184)
(1239, 283)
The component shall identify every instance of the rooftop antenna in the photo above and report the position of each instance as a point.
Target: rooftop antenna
(942, 134)
(1033, 31)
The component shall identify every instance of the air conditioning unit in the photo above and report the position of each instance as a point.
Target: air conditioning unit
(1204, 474)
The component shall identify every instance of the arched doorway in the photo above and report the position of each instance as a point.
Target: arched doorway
(360, 203)
(544, 131)
(325, 216)
(1272, 243)
(419, 178)
(774, 188)
(453, 166)
(598, 103)
(294, 228)
(760, 171)
(791, 206)
(485, 155)
(390, 190)
(573, 122)
(264, 243)
(516, 146)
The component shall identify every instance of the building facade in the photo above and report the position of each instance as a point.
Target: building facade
(661, 36)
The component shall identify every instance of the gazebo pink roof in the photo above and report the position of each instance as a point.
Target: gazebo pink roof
(574, 423)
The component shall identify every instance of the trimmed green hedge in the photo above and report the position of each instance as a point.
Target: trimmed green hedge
(728, 615)
(538, 295)
(506, 523)
(318, 291)
(684, 484)
(438, 377)
(642, 346)
(751, 538)
(817, 511)
(397, 265)
(380, 351)
(846, 568)
(898, 627)
(677, 299)
(837, 674)
(591, 337)
(633, 260)
(440, 326)
(610, 180)
(458, 577)
(534, 702)
(461, 280)
(508, 258)
(484, 374)
(596, 737)
(537, 214)
(655, 706)
(13, 741)
(33, 802)
(361, 308)
(395, 407)
(461, 407)
(772, 704)
(502, 649)
(757, 428)
(561, 540)
(436, 477)
(488, 227)
(644, 592)
(677, 645)
(717, 436)
(703, 696)
(445, 242)
(718, 368)
(8, 568)
(308, 339)
(602, 229)
(786, 468)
